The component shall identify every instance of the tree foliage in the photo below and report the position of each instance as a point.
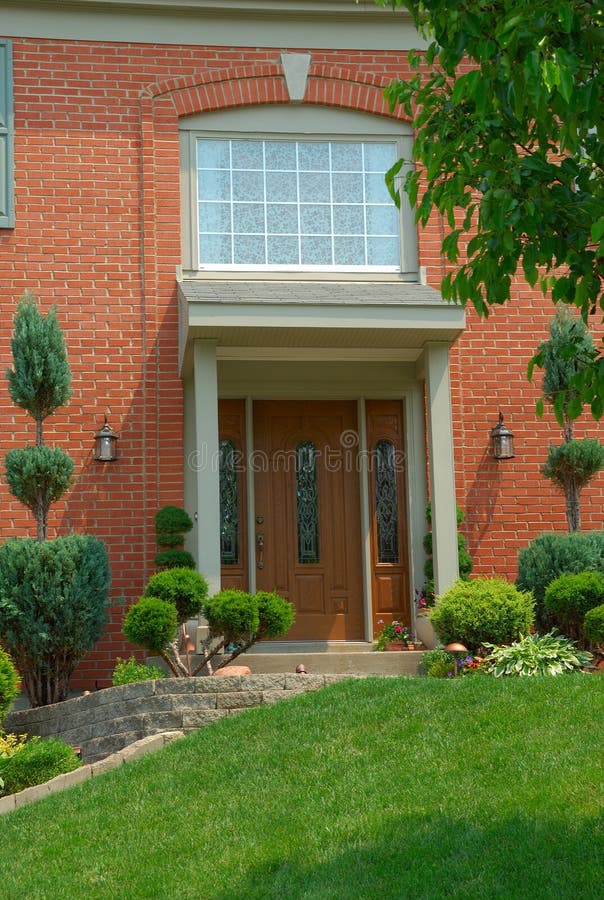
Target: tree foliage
(508, 108)
(39, 381)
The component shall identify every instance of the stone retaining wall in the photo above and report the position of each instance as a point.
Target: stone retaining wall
(106, 721)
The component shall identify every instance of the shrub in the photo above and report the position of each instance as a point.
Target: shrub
(569, 597)
(593, 625)
(551, 555)
(9, 681)
(183, 587)
(437, 663)
(232, 614)
(151, 623)
(485, 609)
(171, 525)
(35, 763)
(129, 671)
(53, 600)
(12, 743)
(276, 615)
(464, 559)
(536, 654)
(571, 466)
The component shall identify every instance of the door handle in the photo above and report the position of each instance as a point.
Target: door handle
(260, 548)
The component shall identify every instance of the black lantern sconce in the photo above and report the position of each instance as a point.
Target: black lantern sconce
(503, 440)
(105, 444)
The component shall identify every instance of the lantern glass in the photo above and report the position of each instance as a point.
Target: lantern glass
(105, 444)
(503, 440)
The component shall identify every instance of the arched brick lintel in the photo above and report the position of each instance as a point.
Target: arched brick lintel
(346, 88)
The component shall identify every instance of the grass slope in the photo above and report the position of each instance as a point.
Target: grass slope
(377, 788)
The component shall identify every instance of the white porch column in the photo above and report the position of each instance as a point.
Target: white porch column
(442, 472)
(206, 437)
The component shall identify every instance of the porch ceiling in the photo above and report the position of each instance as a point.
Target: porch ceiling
(313, 314)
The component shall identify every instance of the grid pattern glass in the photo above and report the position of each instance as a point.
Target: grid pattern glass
(305, 205)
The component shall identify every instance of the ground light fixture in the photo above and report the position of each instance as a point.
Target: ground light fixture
(502, 440)
(105, 444)
(456, 648)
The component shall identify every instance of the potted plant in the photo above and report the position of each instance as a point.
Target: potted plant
(393, 636)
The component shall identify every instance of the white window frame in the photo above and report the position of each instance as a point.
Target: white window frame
(311, 124)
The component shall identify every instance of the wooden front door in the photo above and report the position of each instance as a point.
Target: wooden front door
(307, 540)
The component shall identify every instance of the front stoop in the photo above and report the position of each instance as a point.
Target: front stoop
(330, 659)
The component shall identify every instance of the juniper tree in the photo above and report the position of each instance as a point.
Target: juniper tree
(573, 464)
(39, 382)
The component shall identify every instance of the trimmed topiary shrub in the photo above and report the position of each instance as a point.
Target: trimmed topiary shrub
(9, 681)
(171, 525)
(36, 762)
(551, 555)
(593, 625)
(151, 623)
(53, 607)
(569, 597)
(482, 610)
(184, 588)
(129, 671)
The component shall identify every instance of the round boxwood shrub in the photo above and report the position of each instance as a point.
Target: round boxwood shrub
(551, 555)
(276, 615)
(183, 587)
(36, 762)
(569, 597)
(482, 610)
(151, 623)
(232, 613)
(593, 625)
(9, 681)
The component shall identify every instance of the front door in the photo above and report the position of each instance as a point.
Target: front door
(307, 506)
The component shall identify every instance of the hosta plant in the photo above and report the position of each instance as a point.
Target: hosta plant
(536, 654)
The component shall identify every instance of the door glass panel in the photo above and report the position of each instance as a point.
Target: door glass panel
(307, 503)
(229, 504)
(386, 506)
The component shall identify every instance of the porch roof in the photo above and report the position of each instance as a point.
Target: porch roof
(359, 315)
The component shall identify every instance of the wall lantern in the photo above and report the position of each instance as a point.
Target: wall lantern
(105, 444)
(503, 440)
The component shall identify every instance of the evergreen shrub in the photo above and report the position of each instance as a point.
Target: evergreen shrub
(569, 597)
(151, 623)
(481, 610)
(593, 625)
(53, 607)
(551, 555)
(183, 587)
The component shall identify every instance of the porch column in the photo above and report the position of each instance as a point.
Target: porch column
(442, 471)
(206, 437)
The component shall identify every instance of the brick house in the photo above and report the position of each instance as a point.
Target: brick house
(198, 185)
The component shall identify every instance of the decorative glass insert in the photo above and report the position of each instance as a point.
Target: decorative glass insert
(308, 503)
(229, 504)
(301, 205)
(386, 505)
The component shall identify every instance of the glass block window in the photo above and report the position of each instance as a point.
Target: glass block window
(386, 504)
(229, 504)
(296, 205)
(307, 502)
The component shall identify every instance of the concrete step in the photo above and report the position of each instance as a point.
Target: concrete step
(326, 658)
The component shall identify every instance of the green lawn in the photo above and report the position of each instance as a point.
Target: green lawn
(377, 788)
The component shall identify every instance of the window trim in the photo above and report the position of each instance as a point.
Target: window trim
(195, 127)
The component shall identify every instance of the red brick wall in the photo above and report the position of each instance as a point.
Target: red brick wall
(98, 232)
